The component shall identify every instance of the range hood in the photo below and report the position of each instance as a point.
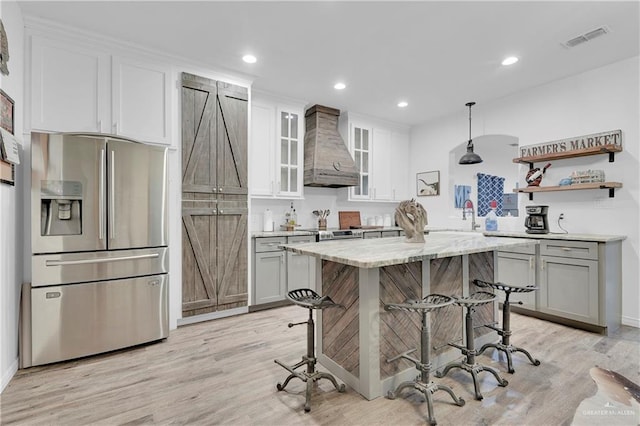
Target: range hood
(327, 161)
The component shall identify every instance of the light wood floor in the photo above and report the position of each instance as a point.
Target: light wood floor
(222, 372)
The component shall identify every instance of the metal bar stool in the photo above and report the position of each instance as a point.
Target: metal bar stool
(311, 300)
(505, 346)
(422, 383)
(469, 364)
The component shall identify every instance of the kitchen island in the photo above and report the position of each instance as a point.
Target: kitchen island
(354, 341)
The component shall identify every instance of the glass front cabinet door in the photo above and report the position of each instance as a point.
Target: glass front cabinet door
(362, 156)
(291, 153)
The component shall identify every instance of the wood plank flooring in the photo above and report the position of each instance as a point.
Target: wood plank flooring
(222, 373)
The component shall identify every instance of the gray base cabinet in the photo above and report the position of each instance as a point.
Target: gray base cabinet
(270, 270)
(569, 288)
(518, 268)
(271, 278)
(301, 269)
(276, 271)
(580, 282)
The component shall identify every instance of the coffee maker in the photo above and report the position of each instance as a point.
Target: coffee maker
(536, 220)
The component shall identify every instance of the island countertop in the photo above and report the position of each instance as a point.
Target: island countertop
(373, 253)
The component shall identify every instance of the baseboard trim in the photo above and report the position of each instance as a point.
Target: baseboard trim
(632, 322)
(8, 375)
(212, 315)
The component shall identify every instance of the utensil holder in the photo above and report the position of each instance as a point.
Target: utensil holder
(322, 224)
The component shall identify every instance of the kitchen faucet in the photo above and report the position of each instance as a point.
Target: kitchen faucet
(469, 203)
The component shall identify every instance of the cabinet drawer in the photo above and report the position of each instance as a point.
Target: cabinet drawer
(571, 249)
(269, 243)
(520, 250)
(389, 234)
(300, 239)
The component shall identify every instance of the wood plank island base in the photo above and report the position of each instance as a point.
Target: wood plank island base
(354, 342)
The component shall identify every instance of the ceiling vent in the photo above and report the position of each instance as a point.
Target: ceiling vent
(588, 36)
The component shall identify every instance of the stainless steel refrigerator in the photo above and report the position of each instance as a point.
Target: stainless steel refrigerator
(99, 247)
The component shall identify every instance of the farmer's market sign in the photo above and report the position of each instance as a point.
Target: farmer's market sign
(578, 143)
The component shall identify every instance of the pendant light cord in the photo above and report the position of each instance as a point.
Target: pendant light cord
(470, 104)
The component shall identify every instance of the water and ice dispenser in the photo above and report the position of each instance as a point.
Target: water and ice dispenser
(60, 207)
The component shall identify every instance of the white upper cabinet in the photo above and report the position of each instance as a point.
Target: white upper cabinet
(140, 107)
(68, 87)
(400, 178)
(382, 165)
(290, 152)
(262, 150)
(277, 149)
(360, 142)
(381, 154)
(75, 88)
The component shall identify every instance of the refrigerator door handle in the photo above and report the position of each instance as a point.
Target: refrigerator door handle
(112, 196)
(102, 189)
(101, 260)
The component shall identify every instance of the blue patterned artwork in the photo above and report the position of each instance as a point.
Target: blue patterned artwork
(461, 192)
(489, 188)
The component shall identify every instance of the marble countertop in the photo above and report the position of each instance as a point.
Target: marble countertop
(372, 253)
(283, 233)
(552, 236)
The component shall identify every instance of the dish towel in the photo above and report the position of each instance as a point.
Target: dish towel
(489, 188)
(462, 192)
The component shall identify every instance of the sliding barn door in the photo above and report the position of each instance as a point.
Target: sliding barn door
(214, 197)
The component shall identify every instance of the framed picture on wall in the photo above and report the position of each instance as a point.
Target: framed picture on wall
(6, 112)
(428, 183)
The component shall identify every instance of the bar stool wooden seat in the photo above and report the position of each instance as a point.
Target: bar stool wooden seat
(422, 382)
(311, 300)
(505, 332)
(469, 364)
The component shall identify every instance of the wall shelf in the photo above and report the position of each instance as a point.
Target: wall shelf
(576, 186)
(596, 150)
(610, 149)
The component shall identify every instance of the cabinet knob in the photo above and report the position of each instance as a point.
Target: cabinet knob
(220, 211)
(220, 189)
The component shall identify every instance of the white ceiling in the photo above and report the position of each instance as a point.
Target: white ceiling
(435, 55)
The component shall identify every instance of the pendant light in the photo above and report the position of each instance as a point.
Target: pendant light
(470, 157)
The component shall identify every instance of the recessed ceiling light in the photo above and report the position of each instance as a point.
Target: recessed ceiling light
(403, 104)
(339, 86)
(250, 59)
(509, 60)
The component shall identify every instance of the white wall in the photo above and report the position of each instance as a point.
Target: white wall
(11, 207)
(600, 100)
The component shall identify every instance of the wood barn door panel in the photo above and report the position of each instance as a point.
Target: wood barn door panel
(198, 204)
(198, 289)
(232, 148)
(232, 258)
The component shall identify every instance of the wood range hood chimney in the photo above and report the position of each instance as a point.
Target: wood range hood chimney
(327, 161)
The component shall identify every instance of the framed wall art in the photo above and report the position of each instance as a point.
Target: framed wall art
(7, 170)
(6, 112)
(428, 183)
